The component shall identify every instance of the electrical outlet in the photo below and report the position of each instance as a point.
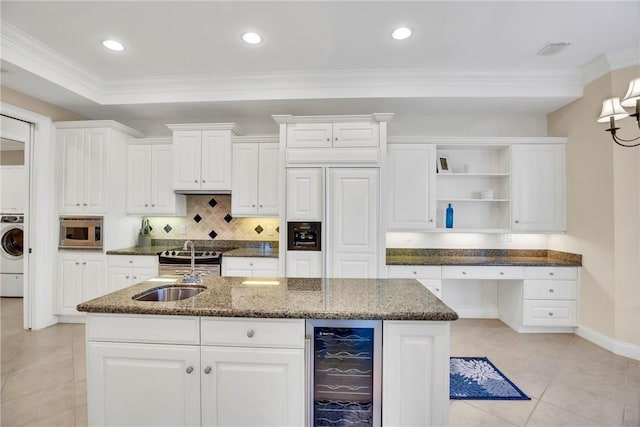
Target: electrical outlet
(182, 230)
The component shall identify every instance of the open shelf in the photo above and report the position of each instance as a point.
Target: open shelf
(471, 200)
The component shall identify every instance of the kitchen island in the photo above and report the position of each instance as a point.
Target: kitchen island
(235, 353)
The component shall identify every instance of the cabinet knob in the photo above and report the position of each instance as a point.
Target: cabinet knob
(464, 272)
(126, 277)
(336, 138)
(84, 263)
(77, 204)
(146, 205)
(84, 204)
(328, 139)
(551, 273)
(189, 369)
(502, 273)
(204, 180)
(153, 206)
(551, 290)
(195, 180)
(250, 333)
(437, 289)
(430, 219)
(516, 221)
(551, 314)
(253, 206)
(251, 264)
(77, 263)
(207, 370)
(261, 206)
(415, 272)
(135, 277)
(130, 261)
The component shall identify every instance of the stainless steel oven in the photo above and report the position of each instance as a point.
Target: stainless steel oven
(179, 262)
(81, 232)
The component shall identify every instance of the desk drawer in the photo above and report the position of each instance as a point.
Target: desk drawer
(550, 289)
(481, 272)
(549, 313)
(288, 333)
(415, 271)
(551, 273)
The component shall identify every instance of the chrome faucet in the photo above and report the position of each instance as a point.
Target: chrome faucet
(191, 278)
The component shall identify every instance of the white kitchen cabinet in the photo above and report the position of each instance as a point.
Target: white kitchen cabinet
(332, 135)
(134, 384)
(411, 187)
(249, 267)
(415, 373)
(304, 264)
(538, 187)
(127, 270)
(352, 222)
(255, 187)
(13, 193)
(202, 156)
(83, 165)
(304, 194)
(91, 171)
(149, 181)
(252, 386)
(81, 276)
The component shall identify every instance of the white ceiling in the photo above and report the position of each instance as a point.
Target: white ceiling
(185, 61)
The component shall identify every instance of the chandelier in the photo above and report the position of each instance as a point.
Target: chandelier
(612, 110)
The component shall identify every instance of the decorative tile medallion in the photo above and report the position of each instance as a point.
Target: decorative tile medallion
(197, 218)
(259, 229)
(167, 228)
(228, 218)
(213, 234)
(213, 203)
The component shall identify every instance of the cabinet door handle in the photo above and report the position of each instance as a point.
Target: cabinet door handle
(250, 333)
(189, 369)
(207, 370)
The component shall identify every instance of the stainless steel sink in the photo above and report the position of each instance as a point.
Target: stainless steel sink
(169, 293)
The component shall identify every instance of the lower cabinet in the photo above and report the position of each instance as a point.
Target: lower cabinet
(189, 371)
(304, 264)
(125, 270)
(249, 267)
(415, 373)
(80, 278)
(132, 384)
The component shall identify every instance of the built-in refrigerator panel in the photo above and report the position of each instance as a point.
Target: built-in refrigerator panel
(344, 372)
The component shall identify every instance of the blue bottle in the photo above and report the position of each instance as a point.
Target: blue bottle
(449, 220)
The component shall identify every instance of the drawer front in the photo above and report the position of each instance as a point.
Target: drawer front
(549, 313)
(415, 271)
(143, 328)
(248, 263)
(142, 261)
(477, 272)
(551, 273)
(550, 289)
(287, 333)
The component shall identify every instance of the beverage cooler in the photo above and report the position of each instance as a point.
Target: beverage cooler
(344, 372)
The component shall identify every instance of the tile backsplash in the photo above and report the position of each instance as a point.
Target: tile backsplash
(209, 217)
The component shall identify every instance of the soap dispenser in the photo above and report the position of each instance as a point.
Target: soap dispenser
(449, 217)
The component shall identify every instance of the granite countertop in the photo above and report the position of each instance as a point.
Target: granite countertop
(383, 299)
(252, 252)
(488, 257)
(152, 250)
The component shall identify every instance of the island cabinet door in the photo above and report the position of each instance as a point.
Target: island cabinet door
(143, 384)
(252, 387)
(415, 373)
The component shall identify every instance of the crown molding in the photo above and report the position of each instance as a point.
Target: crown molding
(93, 124)
(376, 117)
(444, 141)
(611, 61)
(234, 128)
(256, 138)
(30, 54)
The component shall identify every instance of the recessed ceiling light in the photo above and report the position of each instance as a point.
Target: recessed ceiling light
(113, 45)
(401, 33)
(552, 48)
(251, 38)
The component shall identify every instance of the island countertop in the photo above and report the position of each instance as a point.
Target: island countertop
(380, 299)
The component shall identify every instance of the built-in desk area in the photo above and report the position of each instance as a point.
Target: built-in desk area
(530, 290)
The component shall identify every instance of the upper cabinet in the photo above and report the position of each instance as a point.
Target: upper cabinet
(539, 187)
(149, 179)
(336, 135)
(202, 157)
(411, 187)
(91, 173)
(493, 185)
(255, 186)
(304, 194)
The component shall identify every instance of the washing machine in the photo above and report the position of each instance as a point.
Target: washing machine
(11, 255)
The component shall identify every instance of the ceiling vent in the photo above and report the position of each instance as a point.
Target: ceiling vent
(552, 48)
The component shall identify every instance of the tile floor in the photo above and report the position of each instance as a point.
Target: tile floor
(571, 381)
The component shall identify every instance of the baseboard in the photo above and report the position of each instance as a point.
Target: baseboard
(618, 347)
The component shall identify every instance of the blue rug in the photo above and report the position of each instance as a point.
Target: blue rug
(476, 378)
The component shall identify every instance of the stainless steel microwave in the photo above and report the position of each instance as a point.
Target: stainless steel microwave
(81, 232)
